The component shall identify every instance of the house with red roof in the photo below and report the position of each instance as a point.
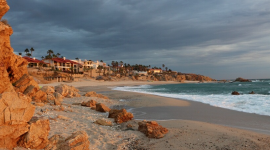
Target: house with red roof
(63, 64)
(33, 62)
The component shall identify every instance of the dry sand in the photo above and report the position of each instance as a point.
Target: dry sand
(183, 134)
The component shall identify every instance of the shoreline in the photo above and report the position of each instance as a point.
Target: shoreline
(187, 133)
(160, 108)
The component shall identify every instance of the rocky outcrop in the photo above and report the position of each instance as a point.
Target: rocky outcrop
(37, 136)
(152, 129)
(102, 108)
(17, 89)
(13, 68)
(15, 112)
(235, 93)
(67, 91)
(77, 141)
(91, 103)
(120, 116)
(242, 80)
(94, 94)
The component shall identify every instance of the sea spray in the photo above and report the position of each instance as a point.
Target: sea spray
(215, 94)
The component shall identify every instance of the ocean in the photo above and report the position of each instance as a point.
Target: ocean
(215, 94)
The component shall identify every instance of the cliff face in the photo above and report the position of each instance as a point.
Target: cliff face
(13, 69)
(17, 89)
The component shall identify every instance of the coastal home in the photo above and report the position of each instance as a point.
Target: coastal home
(33, 62)
(155, 71)
(63, 64)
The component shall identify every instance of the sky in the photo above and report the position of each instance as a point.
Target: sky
(222, 39)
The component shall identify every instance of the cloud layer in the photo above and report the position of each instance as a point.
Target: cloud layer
(220, 39)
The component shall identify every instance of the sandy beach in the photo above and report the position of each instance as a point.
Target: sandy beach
(191, 125)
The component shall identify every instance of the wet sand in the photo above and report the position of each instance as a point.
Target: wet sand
(151, 107)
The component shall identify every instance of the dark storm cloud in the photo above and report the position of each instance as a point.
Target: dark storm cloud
(205, 37)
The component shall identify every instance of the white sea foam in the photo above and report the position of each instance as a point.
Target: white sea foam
(250, 103)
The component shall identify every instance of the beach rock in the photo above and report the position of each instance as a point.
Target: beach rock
(15, 112)
(152, 129)
(47, 89)
(252, 92)
(77, 141)
(235, 93)
(102, 108)
(37, 136)
(67, 91)
(103, 122)
(91, 103)
(120, 116)
(239, 79)
(58, 98)
(55, 142)
(94, 94)
(28, 86)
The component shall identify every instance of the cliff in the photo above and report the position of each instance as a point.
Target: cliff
(17, 89)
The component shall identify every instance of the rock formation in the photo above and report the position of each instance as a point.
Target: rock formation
(120, 116)
(242, 80)
(67, 91)
(77, 141)
(37, 136)
(235, 93)
(102, 108)
(152, 129)
(91, 103)
(17, 89)
(15, 112)
(94, 94)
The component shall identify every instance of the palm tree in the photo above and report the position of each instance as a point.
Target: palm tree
(50, 52)
(28, 54)
(20, 54)
(32, 49)
(166, 69)
(101, 60)
(42, 57)
(26, 51)
(54, 56)
(58, 55)
(163, 66)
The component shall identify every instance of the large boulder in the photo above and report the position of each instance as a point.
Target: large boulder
(102, 108)
(120, 116)
(15, 111)
(67, 91)
(152, 129)
(94, 94)
(37, 136)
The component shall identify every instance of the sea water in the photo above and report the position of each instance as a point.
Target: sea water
(215, 94)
